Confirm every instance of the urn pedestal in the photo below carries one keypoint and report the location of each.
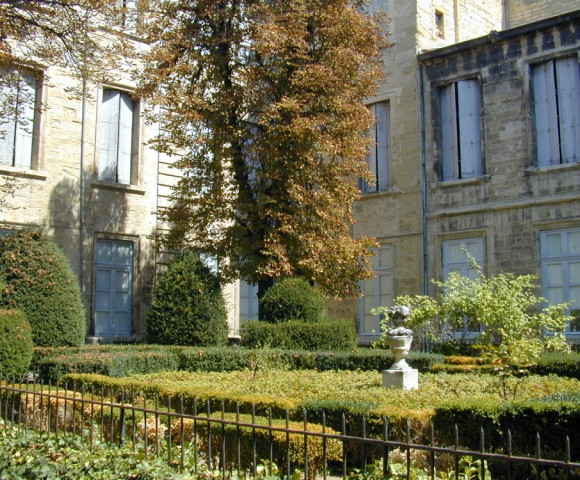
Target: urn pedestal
(400, 375)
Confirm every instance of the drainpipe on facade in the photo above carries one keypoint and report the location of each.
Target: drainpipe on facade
(424, 192)
(82, 190)
(424, 181)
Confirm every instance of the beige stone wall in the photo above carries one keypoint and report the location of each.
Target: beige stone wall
(520, 12)
(461, 20)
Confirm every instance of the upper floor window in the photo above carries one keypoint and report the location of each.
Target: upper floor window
(561, 271)
(459, 255)
(439, 24)
(461, 130)
(119, 139)
(379, 156)
(18, 117)
(128, 14)
(556, 87)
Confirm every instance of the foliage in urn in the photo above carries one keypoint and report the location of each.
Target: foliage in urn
(263, 103)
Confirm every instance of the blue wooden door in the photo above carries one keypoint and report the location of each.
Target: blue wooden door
(113, 288)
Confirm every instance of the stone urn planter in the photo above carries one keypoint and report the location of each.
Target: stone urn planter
(400, 338)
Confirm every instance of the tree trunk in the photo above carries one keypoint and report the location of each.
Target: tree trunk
(263, 286)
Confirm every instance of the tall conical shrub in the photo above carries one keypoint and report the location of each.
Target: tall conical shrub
(39, 281)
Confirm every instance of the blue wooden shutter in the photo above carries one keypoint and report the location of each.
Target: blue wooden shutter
(469, 109)
(449, 133)
(568, 88)
(113, 288)
(382, 147)
(546, 117)
(109, 135)
(25, 125)
(126, 112)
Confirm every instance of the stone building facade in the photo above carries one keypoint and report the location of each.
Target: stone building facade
(515, 207)
(465, 68)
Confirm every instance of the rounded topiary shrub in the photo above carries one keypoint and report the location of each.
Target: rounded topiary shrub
(39, 281)
(188, 307)
(15, 343)
(292, 299)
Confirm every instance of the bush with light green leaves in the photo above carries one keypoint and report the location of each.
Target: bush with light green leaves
(514, 325)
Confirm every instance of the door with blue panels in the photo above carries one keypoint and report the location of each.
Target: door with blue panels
(113, 288)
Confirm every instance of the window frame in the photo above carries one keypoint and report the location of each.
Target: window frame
(460, 129)
(33, 137)
(130, 177)
(564, 258)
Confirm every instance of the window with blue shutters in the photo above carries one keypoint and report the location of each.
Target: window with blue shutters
(119, 120)
(376, 292)
(379, 156)
(556, 86)
(561, 271)
(461, 152)
(248, 301)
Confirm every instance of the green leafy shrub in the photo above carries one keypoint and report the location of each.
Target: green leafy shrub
(292, 299)
(510, 318)
(15, 343)
(188, 307)
(39, 281)
(325, 334)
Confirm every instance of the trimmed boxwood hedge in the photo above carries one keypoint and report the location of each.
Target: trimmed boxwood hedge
(123, 360)
(15, 343)
(550, 363)
(553, 418)
(327, 334)
(40, 282)
(292, 299)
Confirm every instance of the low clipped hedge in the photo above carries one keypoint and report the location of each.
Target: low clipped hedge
(566, 365)
(326, 334)
(550, 363)
(123, 360)
(553, 420)
(553, 417)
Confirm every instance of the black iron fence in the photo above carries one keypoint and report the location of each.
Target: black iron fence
(228, 441)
